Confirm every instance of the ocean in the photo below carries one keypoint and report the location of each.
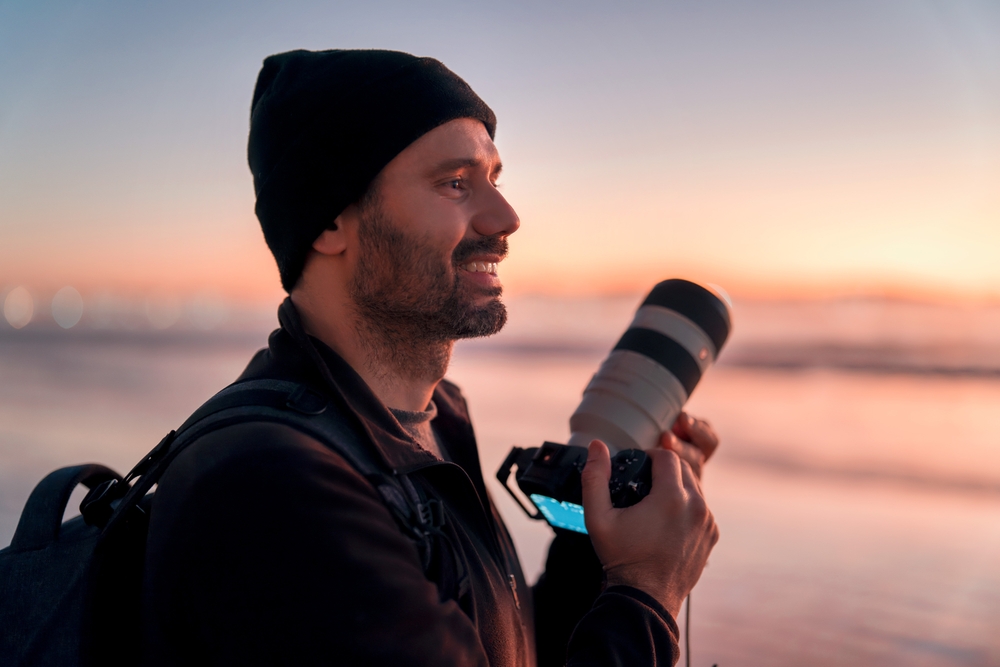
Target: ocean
(857, 487)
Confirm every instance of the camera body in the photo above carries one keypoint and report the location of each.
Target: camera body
(635, 396)
(550, 476)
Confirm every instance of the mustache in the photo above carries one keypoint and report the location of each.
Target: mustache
(487, 245)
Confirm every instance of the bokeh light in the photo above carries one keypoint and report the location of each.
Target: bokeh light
(163, 311)
(67, 307)
(206, 311)
(18, 307)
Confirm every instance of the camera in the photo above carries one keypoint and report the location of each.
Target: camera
(636, 395)
(550, 476)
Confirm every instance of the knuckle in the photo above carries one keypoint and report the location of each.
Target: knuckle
(662, 457)
(704, 431)
(698, 509)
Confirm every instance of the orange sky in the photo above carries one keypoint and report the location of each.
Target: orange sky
(784, 151)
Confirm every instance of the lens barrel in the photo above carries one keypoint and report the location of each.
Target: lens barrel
(640, 388)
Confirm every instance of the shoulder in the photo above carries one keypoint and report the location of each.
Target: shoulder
(252, 448)
(259, 469)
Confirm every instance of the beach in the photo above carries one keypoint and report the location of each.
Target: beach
(857, 487)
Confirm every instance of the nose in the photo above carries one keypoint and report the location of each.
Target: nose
(495, 216)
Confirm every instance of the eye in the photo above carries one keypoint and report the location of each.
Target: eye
(454, 187)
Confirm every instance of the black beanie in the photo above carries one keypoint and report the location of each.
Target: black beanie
(323, 124)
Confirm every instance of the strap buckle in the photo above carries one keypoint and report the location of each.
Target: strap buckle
(96, 507)
(431, 513)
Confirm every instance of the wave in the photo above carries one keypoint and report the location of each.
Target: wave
(951, 361)
(948, 361)
(926, 481)
(40, 338)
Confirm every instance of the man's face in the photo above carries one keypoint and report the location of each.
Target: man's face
(431, 234)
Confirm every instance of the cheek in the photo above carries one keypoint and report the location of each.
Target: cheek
(435, 222)
(445, 234)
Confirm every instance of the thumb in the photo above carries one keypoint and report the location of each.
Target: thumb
(594, 479)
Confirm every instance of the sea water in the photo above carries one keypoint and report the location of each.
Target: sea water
(857, 487)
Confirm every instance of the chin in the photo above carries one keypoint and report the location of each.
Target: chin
(482, 321)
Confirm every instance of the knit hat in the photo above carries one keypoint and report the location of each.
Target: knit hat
(323, 124)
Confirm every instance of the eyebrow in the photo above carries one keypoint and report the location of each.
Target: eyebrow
(463, 163)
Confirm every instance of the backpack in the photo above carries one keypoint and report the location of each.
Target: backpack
(70, 592)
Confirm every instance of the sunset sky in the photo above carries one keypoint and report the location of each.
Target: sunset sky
(775, 148)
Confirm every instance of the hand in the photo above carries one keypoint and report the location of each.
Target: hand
(659, 545)
(691, 439)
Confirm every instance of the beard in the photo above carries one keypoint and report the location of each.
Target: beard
(406, 293)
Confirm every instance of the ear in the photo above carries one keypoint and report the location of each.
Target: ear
(330, 242)
(334, 241)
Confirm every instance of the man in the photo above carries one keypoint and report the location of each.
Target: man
(375, 174)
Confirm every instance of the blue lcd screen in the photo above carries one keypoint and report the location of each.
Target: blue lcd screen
(560, 514)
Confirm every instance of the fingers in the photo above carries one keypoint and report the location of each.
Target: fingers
(690, 480)
(698, 432)
(667, 475)
(699, 506)
(688, 452)
(594, 481)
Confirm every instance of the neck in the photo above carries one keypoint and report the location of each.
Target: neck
(398, 365)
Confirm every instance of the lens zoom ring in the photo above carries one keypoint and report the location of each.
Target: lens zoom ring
(664, 351)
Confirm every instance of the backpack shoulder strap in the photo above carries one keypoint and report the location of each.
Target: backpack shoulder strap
(288, 403)
(279, 401)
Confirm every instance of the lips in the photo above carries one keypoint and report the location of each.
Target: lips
(480, 255)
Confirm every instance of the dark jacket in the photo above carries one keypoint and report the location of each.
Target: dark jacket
(265, 547)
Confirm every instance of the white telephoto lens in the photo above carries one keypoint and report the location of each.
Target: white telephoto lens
(641, 387)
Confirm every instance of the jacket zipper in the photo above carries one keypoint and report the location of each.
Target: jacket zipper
(513, 589)
(499, 554)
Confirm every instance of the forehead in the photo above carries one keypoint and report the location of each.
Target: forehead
(461, 142)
